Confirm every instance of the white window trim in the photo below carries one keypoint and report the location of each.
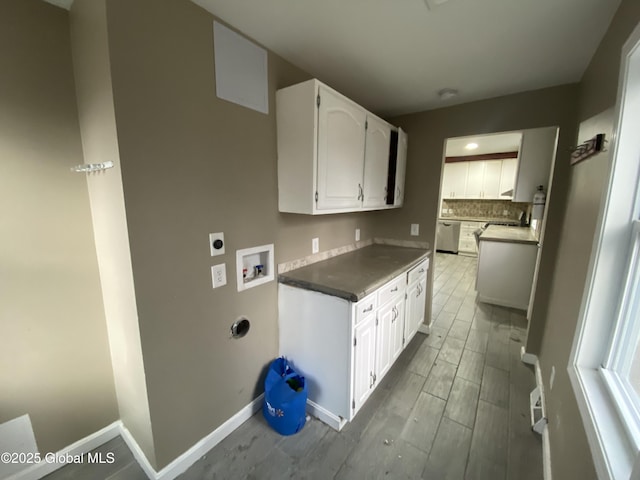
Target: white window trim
(614, 455)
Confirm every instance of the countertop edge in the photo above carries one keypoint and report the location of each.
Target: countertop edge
(508, 240)
(351, 296)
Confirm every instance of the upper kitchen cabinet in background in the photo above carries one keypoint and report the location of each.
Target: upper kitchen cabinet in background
(536, 157)
(333, 155)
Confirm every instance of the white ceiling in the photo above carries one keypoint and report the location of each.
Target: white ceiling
(494, 143)
(393, 56)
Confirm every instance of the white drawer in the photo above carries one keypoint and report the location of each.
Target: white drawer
(366, 306)
(418, 271)
(392, 289)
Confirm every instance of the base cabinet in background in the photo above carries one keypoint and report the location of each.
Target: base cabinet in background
(344, 349)
(505, 273)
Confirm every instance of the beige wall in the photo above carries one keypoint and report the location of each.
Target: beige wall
(571, 457)
(100, 144)
(427, 134)
(194, 164)
(53, 342)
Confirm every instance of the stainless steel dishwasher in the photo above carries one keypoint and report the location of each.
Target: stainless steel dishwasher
(448, 236)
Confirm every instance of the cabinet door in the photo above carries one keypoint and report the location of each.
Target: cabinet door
(475, 179)
(397, 342)
(341, 138)
(416, 297)
(376, 163)
(385, 337)
(454, 179)
(508, 177)
(364, 360)
(401, 168)
(491, 179)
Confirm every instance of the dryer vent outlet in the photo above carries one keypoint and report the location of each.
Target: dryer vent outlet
(240, 328)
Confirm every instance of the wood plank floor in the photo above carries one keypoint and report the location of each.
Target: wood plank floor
(454, 406)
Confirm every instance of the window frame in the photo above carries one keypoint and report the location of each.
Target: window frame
(613, 441)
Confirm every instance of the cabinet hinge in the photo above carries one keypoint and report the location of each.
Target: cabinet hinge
(318, 100)
(316, 196)
(402, 340)
(355, 341)
(353, 404)
(376, 321)
(366, 124)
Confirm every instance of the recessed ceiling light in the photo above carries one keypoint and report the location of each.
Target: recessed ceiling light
(447, 93)
(471, 146)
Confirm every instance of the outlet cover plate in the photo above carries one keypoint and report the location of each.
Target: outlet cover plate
(212, 239)
(219, 275)
(357, 234)
(315, 245)
(415, 229)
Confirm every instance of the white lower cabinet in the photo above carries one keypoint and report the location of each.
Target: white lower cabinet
(344, 348)
(365, 359)
(415, 300)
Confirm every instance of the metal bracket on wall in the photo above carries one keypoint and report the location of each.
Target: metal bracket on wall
(92, 167)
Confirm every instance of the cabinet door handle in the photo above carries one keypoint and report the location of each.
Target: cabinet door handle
(368, 309)
(370, 379)
(360, 192)
(395, 289)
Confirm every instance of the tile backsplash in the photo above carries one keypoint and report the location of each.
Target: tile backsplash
(484, 209)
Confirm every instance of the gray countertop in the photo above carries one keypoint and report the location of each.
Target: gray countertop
(481, 220)
(356, 274)
(499, 233)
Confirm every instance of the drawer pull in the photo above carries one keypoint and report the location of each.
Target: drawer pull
(395, 289)
(421, 270)
(368, 309)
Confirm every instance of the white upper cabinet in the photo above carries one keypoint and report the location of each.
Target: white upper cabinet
(491, 179)
(536, 156)
(401, 168)
(376, 162)
(341, 152)
(454, 180)
(475, 179)
(508, 178)
(478, 179)
(333, 155)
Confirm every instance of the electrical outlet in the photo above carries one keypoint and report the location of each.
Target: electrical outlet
(415, 229)
(505, 213)
(552, 378)
(216, 243)
(219, 275)
(444, 211)
(357, 234)
(315, 245)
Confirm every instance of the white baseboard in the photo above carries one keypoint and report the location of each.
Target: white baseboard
(171, 471)
(424, 328)
(79, 448)
(546, 454)
(325, 416)
(191, 456)
(531, 359)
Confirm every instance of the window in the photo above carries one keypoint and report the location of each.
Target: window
(605, 361)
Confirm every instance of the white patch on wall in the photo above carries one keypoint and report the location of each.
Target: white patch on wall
(241, 69)
(16, 437)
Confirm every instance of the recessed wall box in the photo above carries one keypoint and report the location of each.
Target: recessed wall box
(254, 266)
